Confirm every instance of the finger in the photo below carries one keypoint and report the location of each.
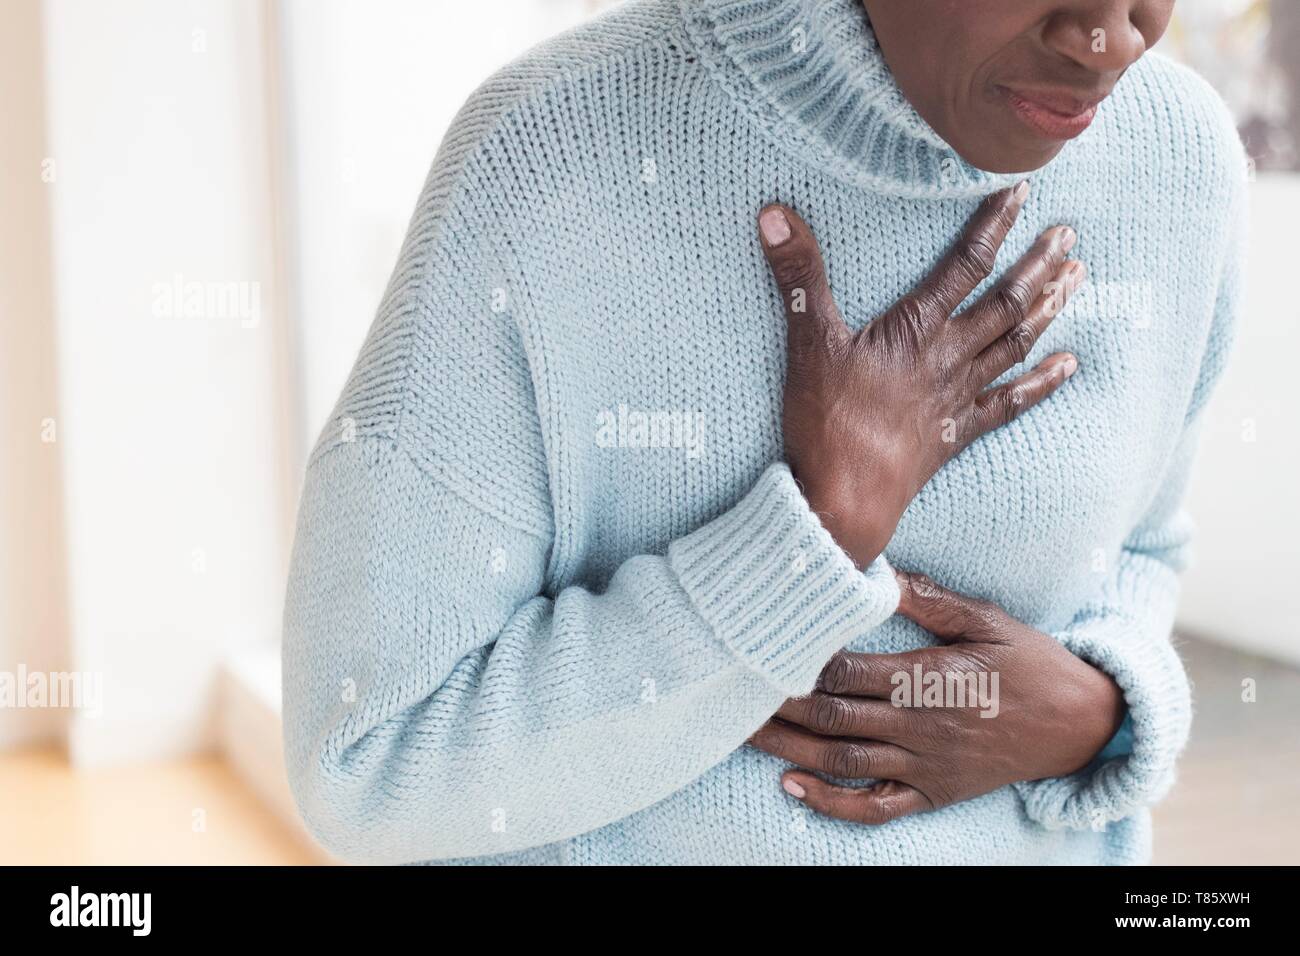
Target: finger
(796, 263)
(867, 675)
(1005, 305)
(874, 805)
(834, 715)
(946, 614)
(843, 757)
(1004, 404)
(1013, 347)
(970, 260)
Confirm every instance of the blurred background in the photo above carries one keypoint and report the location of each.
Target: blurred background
(200, 203)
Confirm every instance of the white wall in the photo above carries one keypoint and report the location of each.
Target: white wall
(194, 145)
(370, 90)
(33, 631)
(1244, 586)
(171, 422)
(202, 139)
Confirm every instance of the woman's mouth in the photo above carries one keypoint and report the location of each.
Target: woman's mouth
(1057, 116)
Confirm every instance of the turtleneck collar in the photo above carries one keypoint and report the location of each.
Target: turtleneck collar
(812, 75)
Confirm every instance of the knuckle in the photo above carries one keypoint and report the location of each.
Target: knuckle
(1020, 340)
(849, 761)
(980, 255)
(1014, 298)
(1003, 308)
(829, 714)
(976, 258)
(987, 615)
(1010, 403)
(797, 268)
(837, 676)
(1005, 216)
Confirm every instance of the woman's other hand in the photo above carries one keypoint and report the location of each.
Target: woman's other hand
(1031, 709)
(869, 417)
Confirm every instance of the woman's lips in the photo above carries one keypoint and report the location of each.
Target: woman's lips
(1054, 115)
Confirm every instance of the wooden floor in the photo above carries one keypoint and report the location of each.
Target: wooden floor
(1235, 803)
(1237, 799)
(186, 812)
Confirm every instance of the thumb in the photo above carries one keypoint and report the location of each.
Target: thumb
(946, 614)
(796, 264)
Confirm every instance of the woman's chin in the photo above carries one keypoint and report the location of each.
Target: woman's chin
(1006, 157)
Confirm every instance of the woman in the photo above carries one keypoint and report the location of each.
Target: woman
(591, 515)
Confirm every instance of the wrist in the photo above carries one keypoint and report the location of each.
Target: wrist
(1105, 712)
(861, 534)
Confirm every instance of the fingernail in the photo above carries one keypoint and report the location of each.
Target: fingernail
(774, 226)
(1070, 365)
(1068, 239)
(792, 787)
(1022, 190)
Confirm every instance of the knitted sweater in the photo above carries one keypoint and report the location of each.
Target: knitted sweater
(550, 571)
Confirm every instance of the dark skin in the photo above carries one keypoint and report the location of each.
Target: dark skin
(870, 417)
(1055, 713)
(960, 63)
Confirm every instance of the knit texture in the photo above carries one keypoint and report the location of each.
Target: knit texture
(550, 572)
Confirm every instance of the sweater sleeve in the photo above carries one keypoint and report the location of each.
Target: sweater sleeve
(438, 704)
(442, 698)
(1126, 630)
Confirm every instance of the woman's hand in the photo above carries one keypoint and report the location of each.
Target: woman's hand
(1047, 714)
(869, 417)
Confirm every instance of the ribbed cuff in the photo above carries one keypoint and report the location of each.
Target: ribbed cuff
(1132, 646)
(776, 588)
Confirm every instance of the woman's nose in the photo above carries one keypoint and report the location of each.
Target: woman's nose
(1100, 35)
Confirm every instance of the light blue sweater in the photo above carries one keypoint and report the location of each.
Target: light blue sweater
(550, 572)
